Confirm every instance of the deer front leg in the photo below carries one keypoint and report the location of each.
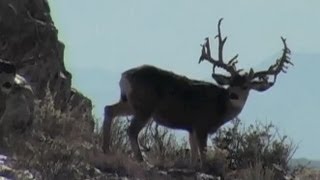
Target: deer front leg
(134, 129)
(201, 137)
(194, 151)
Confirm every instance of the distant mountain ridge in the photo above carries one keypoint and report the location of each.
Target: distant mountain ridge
(315, 164)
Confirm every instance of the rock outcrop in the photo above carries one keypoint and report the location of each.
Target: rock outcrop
(7, 172)
(29, 40)
(17, 101)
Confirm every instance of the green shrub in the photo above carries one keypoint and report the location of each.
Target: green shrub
(254, 146)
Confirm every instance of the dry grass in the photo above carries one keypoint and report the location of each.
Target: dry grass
(309, 174)
(55, 147)
(257, 172)
(61, 147)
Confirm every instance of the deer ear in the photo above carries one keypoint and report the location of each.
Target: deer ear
(221, 79)
(260, 86)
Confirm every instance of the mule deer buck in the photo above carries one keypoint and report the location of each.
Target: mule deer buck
(178, 102)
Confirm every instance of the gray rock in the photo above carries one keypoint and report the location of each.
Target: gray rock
(17, 100)
(19, 106)
(29, 41)
(7, 172)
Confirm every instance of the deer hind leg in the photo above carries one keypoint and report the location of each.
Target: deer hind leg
(201, 140)
(137, 123)
(121, 108)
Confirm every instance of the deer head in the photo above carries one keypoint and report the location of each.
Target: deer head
(240, 83)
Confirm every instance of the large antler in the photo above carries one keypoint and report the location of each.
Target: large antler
(206, 55)
(275, 69)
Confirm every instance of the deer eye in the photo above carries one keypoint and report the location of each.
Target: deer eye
(233, 96)
(244, 87)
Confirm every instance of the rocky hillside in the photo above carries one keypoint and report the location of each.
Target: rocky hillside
(29, 40)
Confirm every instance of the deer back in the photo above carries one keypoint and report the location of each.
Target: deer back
(173, 100)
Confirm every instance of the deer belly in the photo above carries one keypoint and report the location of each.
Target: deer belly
(173, 122)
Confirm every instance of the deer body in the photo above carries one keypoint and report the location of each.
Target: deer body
(177, 102)
(174, 101)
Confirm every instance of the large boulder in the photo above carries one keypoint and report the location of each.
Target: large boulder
(29, 40)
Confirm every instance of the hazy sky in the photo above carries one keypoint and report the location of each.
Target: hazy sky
(118, 34)
(110, 36)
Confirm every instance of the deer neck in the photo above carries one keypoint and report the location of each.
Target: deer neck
(235, 104)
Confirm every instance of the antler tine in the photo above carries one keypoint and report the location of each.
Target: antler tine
(221, 41)
(280, 65)
(206, 54)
